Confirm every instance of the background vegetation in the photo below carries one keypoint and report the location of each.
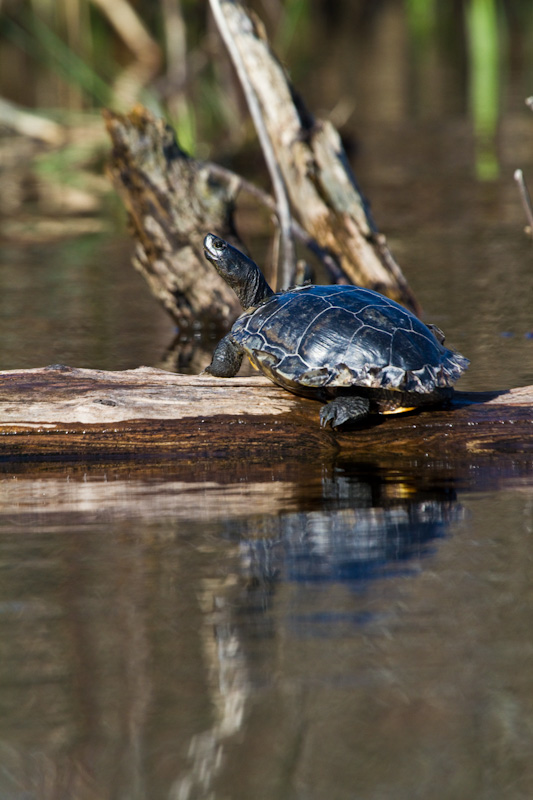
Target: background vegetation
(69, 56)
(63, 60)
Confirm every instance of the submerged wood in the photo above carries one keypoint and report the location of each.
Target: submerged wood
(60, 413)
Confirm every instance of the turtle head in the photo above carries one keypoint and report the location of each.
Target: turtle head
(239, 271)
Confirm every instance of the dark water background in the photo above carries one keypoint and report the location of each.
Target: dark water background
(282, 630)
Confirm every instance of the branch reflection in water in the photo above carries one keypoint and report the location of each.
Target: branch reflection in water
(167, 605)
(362, 531)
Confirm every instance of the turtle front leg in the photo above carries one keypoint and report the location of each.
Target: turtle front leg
(227, 359)
(346, 408)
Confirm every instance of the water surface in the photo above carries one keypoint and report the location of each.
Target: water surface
(349, 630)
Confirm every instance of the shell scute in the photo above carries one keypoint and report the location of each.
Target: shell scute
(412, 351)
(375, 317)
(342, 336)
(324, 341)
(283, 317)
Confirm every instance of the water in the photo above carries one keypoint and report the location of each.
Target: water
(349, 630)
(284, 631)
(77, 301)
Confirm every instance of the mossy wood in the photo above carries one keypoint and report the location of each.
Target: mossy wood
(64, 414)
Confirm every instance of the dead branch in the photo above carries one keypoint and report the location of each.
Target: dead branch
(172, 201)
(283, 210)
(29, 124)
(526, 200)
(327, 260)
(145, 49)
(322, 189)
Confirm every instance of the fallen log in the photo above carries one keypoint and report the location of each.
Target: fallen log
(60, 413)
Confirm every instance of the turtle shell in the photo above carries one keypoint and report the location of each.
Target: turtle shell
(330, 337)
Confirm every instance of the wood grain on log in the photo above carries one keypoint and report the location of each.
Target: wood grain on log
(62, 413)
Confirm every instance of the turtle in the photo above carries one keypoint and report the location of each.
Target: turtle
(354, 349)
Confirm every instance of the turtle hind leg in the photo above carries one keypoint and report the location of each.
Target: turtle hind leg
(348, 408)
(227, 359)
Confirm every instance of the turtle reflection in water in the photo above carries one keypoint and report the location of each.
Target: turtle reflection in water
(353, 348)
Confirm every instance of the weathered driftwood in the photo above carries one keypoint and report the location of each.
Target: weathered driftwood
(172, 201)
(321, 186)
(60, 413)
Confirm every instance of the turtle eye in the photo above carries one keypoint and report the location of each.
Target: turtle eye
(219, 244)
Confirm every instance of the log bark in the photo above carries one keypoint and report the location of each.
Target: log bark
(172, 201)
(62, 414)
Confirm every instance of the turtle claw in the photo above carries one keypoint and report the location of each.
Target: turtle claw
(343, 409)
(331, 415)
